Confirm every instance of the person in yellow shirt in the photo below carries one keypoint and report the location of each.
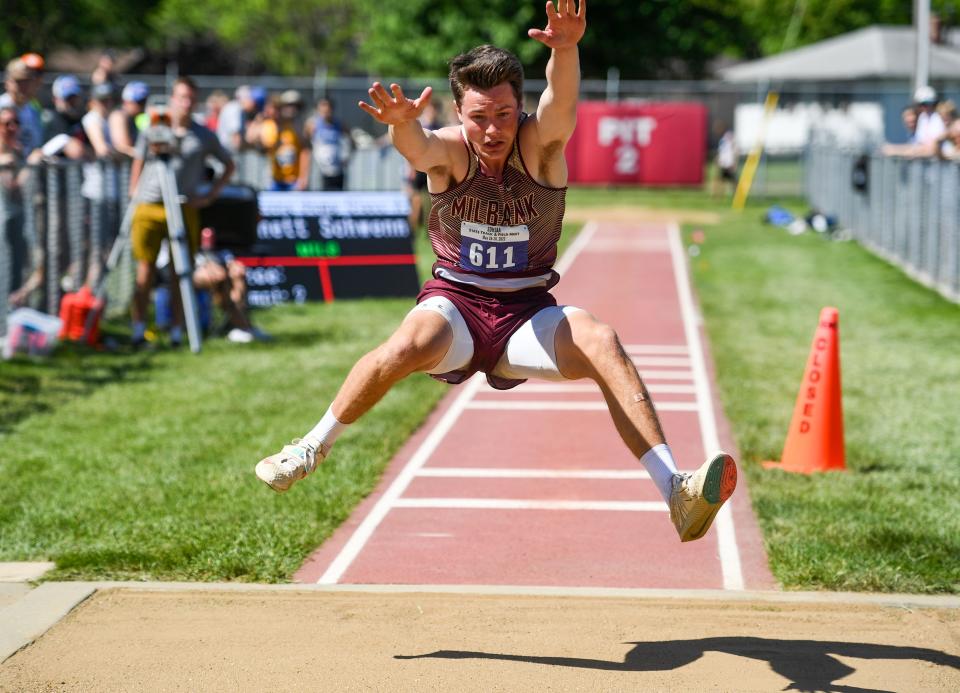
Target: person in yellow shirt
(287, 147)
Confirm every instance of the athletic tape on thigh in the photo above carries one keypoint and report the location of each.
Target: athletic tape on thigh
(460, 353)
(531, 352)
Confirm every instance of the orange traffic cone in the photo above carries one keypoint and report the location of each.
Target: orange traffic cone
(815, 439)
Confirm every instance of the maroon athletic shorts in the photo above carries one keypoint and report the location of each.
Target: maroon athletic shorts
(492, 318)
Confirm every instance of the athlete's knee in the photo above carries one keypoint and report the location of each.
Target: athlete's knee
(596, 339)
(409, 351)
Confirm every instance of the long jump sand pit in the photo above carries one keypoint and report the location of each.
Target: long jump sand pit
(125, 639)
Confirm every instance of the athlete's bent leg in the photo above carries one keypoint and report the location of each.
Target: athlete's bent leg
(422, 342)
(419, 343)
(535, 350)
(586, 347)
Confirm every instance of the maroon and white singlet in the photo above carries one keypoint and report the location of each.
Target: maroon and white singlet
(496, 243)
(499, 235)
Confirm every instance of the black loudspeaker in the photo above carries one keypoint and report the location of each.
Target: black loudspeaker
(860, 174)
(233, 217)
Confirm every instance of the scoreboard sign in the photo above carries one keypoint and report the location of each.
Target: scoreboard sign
(318, 246)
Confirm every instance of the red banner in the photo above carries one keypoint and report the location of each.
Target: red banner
(645, 144)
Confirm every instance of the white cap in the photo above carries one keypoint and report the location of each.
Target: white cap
(925, 94)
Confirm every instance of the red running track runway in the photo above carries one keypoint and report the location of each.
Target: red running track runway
(534, 487)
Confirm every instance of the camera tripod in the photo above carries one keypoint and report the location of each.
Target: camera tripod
(179, 250)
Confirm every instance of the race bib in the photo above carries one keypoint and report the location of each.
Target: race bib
(486, 248)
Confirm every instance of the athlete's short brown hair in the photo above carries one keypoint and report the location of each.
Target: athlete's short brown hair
(485, 67)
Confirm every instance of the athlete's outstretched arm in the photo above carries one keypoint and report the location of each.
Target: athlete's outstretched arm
(423, 149)
(557, 110)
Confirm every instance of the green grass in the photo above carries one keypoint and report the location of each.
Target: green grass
(670, 198)
(133, 465)
(148, 474)
(138, 466)
(892, 522)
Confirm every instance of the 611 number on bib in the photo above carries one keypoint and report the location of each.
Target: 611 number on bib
(493, 248)
(486, 257)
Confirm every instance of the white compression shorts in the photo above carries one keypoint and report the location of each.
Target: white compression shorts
(530, 351)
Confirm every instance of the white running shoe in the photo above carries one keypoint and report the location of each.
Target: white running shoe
(280, 470)
(696, 498)
(239, 336)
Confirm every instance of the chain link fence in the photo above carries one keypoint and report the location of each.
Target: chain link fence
(56, 233)
(904, 210)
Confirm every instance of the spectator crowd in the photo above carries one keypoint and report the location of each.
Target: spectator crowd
(932, 128)
(102, 124)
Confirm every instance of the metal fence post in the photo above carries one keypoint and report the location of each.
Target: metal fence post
(950, 245)
(891, 179)
(75, 225)
(931, 230)
(875, 199)
(97, 218)
(7, 215)
(52, 255)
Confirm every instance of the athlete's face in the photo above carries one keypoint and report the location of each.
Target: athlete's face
(491, 118)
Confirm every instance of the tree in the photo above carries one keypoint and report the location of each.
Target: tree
(288, 36)
(663, 38)
(418, 37)
(822, 19)
(642, 39)
(43, 25)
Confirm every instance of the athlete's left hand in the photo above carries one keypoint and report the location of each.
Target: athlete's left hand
(565, 26)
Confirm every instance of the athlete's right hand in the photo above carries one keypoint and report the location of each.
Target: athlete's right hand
(395, 108)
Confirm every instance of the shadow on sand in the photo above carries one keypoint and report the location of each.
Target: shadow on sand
(808, 664)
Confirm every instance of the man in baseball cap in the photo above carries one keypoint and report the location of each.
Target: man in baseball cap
(127, 121)
(66, 86)
(930, 126)
(237, 114)
(136, 92)
(66, 119)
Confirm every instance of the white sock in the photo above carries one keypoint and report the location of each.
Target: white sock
(326, 432)
(139, 329)
(658, 461)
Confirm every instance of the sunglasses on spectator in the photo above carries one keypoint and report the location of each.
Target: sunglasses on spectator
(10, 123)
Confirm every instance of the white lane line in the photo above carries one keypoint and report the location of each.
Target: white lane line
(579, 243)
(365, 530)
(668, 361)
(655, 349)
(555, 405)
(511, 504)
(640, 245)
(490, 473)
(584, 388)
(726, 535)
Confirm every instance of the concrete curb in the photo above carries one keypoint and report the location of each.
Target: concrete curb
(766, 596)
(38, 611)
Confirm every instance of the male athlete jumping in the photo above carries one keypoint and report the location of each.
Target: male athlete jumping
(497, 185)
